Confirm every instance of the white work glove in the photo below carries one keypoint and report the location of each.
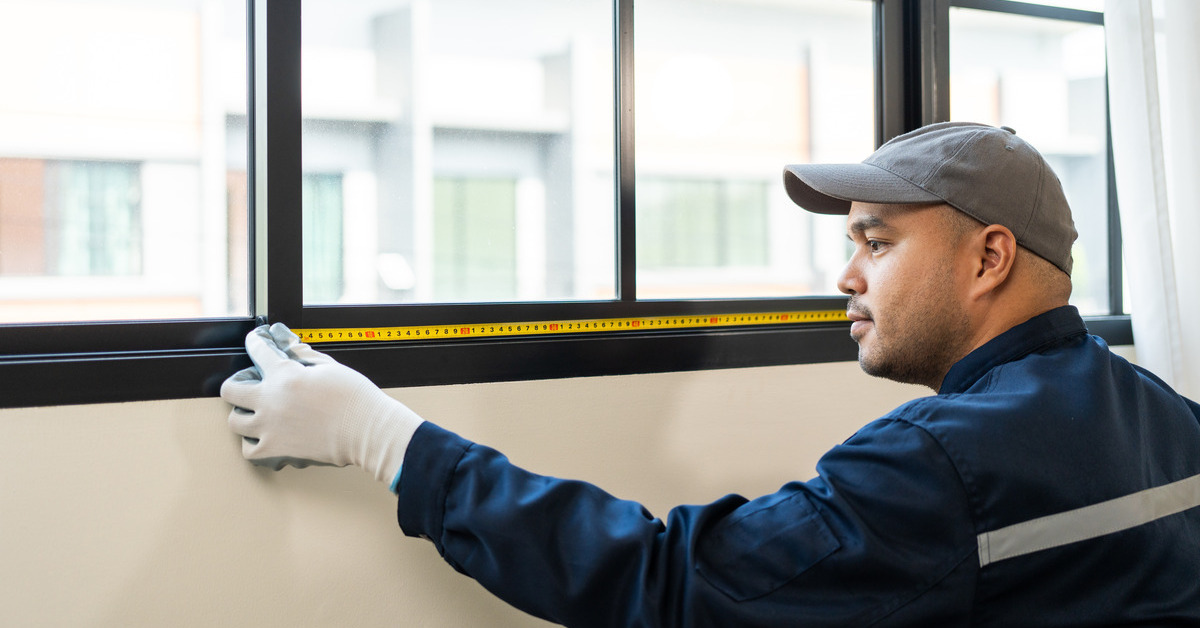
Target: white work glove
(300, 407)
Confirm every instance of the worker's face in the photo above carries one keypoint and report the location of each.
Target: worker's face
(906, 303)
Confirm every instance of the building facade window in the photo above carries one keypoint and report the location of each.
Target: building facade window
(702, 224)
(475, 239)
(323, 235)
(93, 219)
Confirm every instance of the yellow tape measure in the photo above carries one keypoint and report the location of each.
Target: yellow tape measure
(584, 326)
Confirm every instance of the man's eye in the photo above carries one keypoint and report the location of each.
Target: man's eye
(874, 245)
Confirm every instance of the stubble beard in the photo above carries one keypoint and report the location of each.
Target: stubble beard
(916, 346)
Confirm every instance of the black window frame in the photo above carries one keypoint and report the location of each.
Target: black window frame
(75, 363)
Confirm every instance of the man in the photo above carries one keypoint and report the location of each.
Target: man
(1048, 482)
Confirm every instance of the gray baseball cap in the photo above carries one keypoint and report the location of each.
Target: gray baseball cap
(983, 171)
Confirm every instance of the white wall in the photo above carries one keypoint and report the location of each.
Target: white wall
(144, 514)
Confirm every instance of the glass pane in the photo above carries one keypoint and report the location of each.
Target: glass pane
(1045, 79)
(122, 160)
(728, 92)
(474, 144)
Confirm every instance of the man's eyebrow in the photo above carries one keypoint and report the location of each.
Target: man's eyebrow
(863, 223)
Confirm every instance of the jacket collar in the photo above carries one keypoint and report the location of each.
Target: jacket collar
(1043, 331)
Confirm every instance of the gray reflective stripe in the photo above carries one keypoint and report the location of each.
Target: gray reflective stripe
(1088, 522)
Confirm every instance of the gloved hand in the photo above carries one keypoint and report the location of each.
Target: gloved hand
(298, 406)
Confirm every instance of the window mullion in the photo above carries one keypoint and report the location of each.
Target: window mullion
(912, 65)
(891, 98)
(929, 30)
(626, 196)
(1116, 270)
(278, 173)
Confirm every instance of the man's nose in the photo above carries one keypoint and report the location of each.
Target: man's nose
(850, 281)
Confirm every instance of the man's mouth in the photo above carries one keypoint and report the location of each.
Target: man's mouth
(860, 321)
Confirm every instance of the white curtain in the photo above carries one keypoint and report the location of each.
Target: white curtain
(1154, 100)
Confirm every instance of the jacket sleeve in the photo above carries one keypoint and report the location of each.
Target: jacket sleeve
(882, 533)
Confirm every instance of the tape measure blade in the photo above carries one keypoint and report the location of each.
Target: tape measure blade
(569, 326)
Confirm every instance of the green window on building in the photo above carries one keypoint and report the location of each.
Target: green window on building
(322, 201)
(475, 239)
(701, 224)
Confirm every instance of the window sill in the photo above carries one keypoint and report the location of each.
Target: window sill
(120, 376)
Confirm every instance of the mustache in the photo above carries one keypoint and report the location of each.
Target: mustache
(854, 306)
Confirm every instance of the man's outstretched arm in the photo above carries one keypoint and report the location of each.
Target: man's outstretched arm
(820, 553)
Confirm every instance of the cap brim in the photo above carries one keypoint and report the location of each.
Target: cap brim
(830, 188)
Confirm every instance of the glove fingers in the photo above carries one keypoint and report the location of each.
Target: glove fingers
(254, 450)
(274, 464)
(278, 462)
(248, 444)
(250, 451)
(251, 447)
(290, 343)
(263, 351)
(283, 336)
(242, 388)
(244, 423)
(309, 356)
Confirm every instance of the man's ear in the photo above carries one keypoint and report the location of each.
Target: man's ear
(994, 250)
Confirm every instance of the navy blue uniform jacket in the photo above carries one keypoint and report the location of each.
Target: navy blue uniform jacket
(1048, 483)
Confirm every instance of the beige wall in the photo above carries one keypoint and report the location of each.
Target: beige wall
(144, 514)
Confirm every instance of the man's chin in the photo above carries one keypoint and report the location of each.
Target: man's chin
(872, 362)
(868, 366)
(866, 360)
(862, 333)
(896, 371)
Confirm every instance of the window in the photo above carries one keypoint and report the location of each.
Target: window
(118, 121)
(477, 147)
(168, 171)
(727, 93)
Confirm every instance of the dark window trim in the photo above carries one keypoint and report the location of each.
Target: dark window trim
(283, 118)
(623, 40)
(1032, 10)
(75, 363)
(1116, 263)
